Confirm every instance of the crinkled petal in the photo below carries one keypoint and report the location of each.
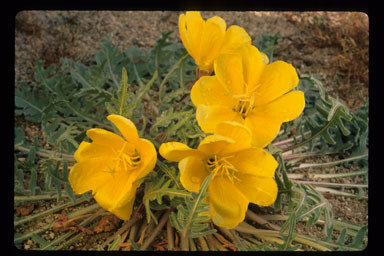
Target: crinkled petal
(209, 91)
(254, 161)
(193, 171)
(125, 126)
(277, 79)
(208, 117)
(258, 190)
(264, 129)
(227, 204)
(215, 144)
(235, 37)
(241, 134)
(285, 108)
(176, 151)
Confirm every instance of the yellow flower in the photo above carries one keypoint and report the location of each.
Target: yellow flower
(206, 40)
(111, 166)
(246, 90)
(242, 173)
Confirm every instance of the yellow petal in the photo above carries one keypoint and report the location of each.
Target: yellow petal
(285, 108)
(254, 161)
(208, 117)
(211, 41)
(193, 171)
(86, 176)
(148, 158)
(114, 191)
(229, 71)
(176, 151)
(124, 211)
(235, 37)
(264, 129)
(104, 137)
(265, 58)
(227, 204)
(195, 25)
(278, 78)
(87, 151)
(209, 91)
(241, 134)
(253, 66)
(258, 190)
(120, 206)
(215, 144)
(125, 126)
(183, 33)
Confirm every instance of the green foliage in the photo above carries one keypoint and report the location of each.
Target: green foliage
(190, 219)
(266, 44)
(152, 89)
(160, 184)
(327, 125)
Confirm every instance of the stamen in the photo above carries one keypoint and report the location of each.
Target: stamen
(222, 167)
(128, 160)
(245, 101)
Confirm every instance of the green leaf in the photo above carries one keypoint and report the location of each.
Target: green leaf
(189, 218)
(30, 103)
(359, 238)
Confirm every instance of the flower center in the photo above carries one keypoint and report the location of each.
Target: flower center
(125, 159)
(245, 102)
(222, 167)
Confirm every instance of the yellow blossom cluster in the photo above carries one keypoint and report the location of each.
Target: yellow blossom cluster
(241, 106)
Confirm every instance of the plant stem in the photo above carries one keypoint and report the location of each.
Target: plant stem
(248, 229)
(158, 228)
(48, 153)
(47, 212)
(170, 236)
(69, 234)
(184, 243)
(337, 225)
(326, 175)
(192, 245)
(203, 243)
(215, 243)
(126, 225)
(337, 192)
(311, 165)
(329, 184)
(253, 216)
